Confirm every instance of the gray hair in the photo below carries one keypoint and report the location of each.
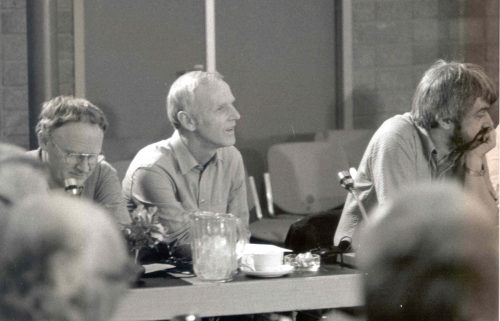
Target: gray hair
(9, 150)
(181, 95)
(21, 174)
(66, 109)
(41, 233)
(447, 91)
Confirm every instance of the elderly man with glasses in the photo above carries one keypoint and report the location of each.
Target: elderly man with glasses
(70, 135)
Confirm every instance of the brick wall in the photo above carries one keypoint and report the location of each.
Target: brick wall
(395, 41)
(13, 73)
(14, 66)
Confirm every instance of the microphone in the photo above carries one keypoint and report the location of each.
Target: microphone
(344, 245)
(72, 187)
(347, 182)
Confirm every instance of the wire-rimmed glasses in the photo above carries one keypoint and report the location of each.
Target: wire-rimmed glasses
(76, 158)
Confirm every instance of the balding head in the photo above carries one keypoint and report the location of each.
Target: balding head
(56, 256)
(182, 93)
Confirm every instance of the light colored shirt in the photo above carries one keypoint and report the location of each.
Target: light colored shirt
(399, 155)
(166, 175)
(103, 187)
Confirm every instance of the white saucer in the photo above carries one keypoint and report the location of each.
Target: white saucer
(279, 271)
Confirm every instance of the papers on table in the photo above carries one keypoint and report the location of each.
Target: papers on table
(154, 267)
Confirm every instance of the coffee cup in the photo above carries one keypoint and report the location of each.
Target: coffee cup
(263, 262)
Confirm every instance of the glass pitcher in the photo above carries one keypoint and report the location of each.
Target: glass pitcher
(216, 241)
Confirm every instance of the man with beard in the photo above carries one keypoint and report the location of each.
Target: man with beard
(445, 136)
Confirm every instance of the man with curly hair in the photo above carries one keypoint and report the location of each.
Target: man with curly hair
(70, 135)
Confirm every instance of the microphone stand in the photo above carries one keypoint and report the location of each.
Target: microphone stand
(347, 182)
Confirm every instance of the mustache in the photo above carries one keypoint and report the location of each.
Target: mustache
(478, 139)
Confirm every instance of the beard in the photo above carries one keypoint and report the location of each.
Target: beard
(457, 140)
(458, 143)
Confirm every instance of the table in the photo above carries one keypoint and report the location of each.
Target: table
(166, 295)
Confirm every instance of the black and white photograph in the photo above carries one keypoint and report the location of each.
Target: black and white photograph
(249, 160)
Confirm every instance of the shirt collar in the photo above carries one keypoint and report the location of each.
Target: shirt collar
(184, 157)
(442, 166)
(425, 138)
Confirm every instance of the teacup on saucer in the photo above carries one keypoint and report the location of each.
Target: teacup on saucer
(263, 261)
(279, 271)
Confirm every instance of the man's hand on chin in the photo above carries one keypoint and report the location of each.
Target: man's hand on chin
(474, 157)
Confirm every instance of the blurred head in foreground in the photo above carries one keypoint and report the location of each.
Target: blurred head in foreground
(20, 175)
(431, 255)
(61, 258)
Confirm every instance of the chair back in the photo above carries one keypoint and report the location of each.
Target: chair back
(353, 141)
(304, 176)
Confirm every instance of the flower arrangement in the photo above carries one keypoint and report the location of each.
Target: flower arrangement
(145, 229)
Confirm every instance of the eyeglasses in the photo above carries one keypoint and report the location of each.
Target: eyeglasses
(77, 158)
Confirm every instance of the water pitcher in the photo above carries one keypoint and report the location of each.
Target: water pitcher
(216, 239)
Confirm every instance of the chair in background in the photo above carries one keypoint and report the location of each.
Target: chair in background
(353, 141)
(304, 181)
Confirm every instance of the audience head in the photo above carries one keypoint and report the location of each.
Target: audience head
(200, 103)
(20, 175)
(9, 150)
(448, 90)
(61, 258)
(432, 254)
(70, 133)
